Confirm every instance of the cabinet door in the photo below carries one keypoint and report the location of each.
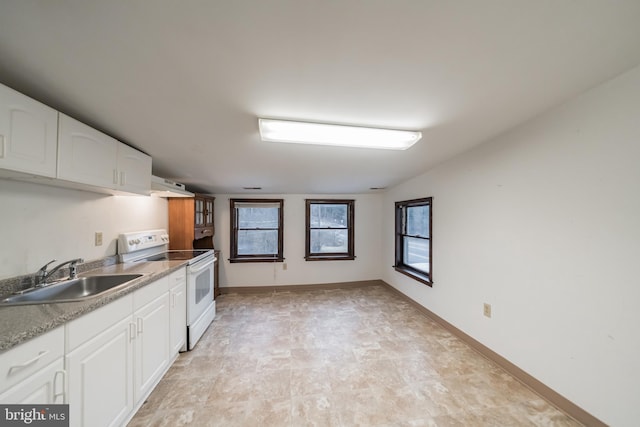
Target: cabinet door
(152, 344)
(208, 212)
(86, 155)
(134, 170)
(178, 318)
(28, 134)
(199, 212)
(43, 387)
(181, 230)
(99, 376)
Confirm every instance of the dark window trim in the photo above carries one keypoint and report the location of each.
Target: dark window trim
(328, 256)
(399, 265)
(234, 233)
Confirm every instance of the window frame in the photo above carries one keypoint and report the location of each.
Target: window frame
(400, 234)
(235, 257)
(330, 256)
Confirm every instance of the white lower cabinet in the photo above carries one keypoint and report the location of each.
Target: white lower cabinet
(117, 354)
(46, 386)
(34, 371)
(105, 363)
(152, 342)
(100, 386)
(178, 311)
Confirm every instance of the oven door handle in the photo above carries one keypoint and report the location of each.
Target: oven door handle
(199, 268)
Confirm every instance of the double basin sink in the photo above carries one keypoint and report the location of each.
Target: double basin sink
(71, 290)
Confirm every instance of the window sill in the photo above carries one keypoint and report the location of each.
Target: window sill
(329, 258)
(256, 259)
(416, 275)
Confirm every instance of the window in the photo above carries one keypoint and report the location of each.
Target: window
(256, 230)
(413, 239)
(329, 231)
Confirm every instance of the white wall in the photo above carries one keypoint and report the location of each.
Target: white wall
(39, 223)
(299, 271)
(543, 223)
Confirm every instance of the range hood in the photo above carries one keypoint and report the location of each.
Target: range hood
(161, 187)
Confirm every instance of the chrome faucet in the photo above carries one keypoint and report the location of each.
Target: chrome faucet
(43, 275)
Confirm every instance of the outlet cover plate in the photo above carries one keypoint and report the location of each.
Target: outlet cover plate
(487, 310)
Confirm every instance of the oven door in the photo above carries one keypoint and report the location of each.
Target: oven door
(199, 289)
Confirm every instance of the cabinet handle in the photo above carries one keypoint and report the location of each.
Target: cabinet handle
(132, 331)
(139, 321)
(63, 375)
(123, 178)
(28, 362)
(1, 146)
(115, 176)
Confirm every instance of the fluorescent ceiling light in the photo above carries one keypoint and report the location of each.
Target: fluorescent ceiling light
(339, 135)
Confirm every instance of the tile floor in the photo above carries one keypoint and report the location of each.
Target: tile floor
(346, 357)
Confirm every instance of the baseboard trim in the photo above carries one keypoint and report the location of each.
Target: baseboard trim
(293, 288)
(537, 386)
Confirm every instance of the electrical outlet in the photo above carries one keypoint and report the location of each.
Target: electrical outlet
(98, 238)
(284, 265)
(487, 309)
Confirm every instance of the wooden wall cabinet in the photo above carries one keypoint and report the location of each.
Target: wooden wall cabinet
(191, 218)
(191, 227)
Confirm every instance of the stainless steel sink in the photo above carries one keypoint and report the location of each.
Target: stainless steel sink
(71, 290)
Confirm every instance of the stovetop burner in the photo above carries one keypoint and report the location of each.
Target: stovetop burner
(175, 255)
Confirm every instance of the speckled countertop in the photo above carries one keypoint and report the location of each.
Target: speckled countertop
(20, 323)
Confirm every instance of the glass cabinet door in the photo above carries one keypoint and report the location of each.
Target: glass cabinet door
(208, 222)
(200, 212)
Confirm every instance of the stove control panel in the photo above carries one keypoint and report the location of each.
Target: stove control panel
(140, 240)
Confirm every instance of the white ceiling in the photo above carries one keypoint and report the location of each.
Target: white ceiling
(185, 81)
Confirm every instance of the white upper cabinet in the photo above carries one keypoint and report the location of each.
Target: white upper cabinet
(28, 132)
(134, 170)
(88, 156)
(37, 141)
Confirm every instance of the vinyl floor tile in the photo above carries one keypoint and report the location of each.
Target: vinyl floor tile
(340, 357)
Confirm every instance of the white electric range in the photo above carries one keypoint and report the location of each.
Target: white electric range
(153, 245)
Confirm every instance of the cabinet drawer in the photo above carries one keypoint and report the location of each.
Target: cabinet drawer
(45, 386)
(177, 277)
(145, 295)
(200, 232)
(22, 361)
(88, 326)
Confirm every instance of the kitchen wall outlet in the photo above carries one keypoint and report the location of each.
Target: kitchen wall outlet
(284, 265)
(487, 309)
(98, 238)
